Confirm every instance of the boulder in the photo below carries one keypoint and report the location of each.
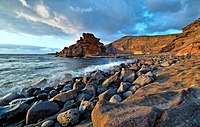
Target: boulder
(143, 80)
(125, 73)
(68, 103)
(187, 112)
(48, 123)
(165, 64)
(78, 85)
(107, 94)
(86, 108)
(123, 87)
(121, 115)
(29, 92)
(9, 97)
(101, 89)
(98, 74)
(59, 87)
(150, 74)
(131, 77)
(89, 89)
(47, 89)
(67, 87)
(115, 99)
(83, 96)
(14, 109)
(144, 69)
(65, 96)
(151, 110)
(43, 96)
(52, 93)
(69, 117)
(127, 94)
(113, 80)
(134, 88)
(134, 67)
(37, 92)
(41, 110)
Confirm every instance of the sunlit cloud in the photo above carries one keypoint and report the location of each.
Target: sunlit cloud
(42, 11)
(24, 3)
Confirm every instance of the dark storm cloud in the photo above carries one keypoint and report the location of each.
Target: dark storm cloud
(171, 14)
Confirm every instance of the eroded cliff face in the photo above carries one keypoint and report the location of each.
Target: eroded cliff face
(86, 46)
(187, 42)
(143, 44)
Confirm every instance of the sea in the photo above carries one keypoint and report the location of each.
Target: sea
(18, 71)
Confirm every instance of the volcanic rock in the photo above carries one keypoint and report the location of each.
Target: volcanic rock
(70, 117)
(9, 97)
(87, 45)
(41, 110)
(65, 96)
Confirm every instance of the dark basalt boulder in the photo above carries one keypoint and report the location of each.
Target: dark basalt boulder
(41, 110)
(9, 97)
(16, 108)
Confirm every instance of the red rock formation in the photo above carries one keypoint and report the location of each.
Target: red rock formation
(86, 46)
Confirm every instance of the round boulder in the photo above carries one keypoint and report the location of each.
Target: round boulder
(41, 110)
(115, 99)
(70, 117)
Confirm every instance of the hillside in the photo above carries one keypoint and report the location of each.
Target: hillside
(183, 43)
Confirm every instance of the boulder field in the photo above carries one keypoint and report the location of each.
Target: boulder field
(152, 91)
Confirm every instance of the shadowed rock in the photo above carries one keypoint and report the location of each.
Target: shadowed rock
(9, 97)
(41, 110)
(65, 96)
(157, 110)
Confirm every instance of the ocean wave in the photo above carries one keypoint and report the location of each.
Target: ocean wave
(103, 67)
(27, 72)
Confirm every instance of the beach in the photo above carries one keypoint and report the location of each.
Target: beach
(71, 103)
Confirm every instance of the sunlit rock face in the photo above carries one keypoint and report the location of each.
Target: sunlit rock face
(186, 42)
(87, 45)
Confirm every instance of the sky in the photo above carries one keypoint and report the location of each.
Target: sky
(43, 26)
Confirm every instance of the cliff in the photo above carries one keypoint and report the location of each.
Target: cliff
(186, 42)
(86, 46)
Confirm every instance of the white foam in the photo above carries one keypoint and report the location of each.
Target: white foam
(103, 67)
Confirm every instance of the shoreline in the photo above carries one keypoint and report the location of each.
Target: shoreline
(81, 94)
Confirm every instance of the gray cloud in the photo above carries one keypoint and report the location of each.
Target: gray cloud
(107, 20)
(25, 49)
(163, 5)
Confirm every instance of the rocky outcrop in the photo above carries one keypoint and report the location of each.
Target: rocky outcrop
(186, 42)
(87, 45)
(154, 110)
